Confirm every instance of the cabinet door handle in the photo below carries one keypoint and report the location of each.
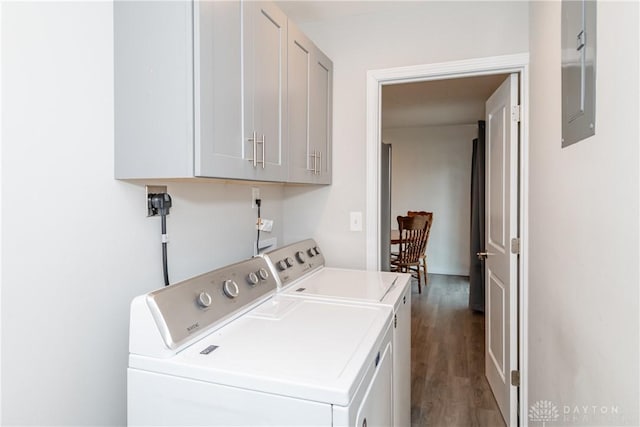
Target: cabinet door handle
(319, 162)
(313, 169)
(315, 162)
(261, 141)
(255, 150)
(257, 141)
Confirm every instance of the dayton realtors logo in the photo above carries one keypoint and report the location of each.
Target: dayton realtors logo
(543, 411)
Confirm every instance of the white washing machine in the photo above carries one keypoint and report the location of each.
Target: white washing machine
(301, 273)
(224, 349)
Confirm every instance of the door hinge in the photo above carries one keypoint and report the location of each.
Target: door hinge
(515, 113)
(515, 378)
(515, 245)
(395, 320)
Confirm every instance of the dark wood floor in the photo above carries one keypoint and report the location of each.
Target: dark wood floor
(448, 386)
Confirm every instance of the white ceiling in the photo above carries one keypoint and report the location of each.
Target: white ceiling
(433, 103)
(306, 11)
(438, 102)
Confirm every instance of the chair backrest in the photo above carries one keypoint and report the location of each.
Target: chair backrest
(429, 216)
(413, 234)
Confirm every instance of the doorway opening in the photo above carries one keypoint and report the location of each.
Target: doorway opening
(427, 129)
(517, 64)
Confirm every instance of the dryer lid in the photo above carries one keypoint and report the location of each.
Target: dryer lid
(357, 285)
(308, 349)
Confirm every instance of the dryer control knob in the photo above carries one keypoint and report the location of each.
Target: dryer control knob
(230, 289)
(311, 252)
(252, 278)
(289, 261)
(204, 299)
(317, 249)
(263, 273)
(301, 257)
(282, 265)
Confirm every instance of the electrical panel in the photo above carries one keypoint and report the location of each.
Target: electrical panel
(578, 70)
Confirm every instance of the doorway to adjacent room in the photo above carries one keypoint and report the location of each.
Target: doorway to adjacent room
(506, 354)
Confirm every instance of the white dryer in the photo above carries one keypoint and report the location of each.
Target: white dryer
(301, 273)
(223, 349)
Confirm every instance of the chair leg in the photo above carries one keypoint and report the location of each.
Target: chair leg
(419, 281)
(424, 267)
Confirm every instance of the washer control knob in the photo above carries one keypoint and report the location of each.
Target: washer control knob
(311, 252)
(301, 257)
(282, 265)
(317, 249)
(289, 261)
(263, 273)
(252, 278)
(204, 299)
(230, 289)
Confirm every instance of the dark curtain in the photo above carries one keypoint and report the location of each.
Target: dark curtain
(476, 271)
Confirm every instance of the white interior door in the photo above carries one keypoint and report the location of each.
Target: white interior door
(501, 280)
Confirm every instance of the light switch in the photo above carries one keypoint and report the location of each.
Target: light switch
(356, 221)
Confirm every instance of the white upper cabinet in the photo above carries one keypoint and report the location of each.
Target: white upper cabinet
(201, 90)
(153, 78)
(191, 89)
(265, 94)
(240, 137)
(219, 149)
(321, 113)
(309, 94)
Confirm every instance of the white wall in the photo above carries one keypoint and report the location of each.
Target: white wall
(584, 245)
(77, 246)
(431, 171)
(413, 33)
(1, 161)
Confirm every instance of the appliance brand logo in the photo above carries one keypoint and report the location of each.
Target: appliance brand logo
(193, 327)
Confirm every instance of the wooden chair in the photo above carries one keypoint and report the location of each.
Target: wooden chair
(413, 232)
(423, 258)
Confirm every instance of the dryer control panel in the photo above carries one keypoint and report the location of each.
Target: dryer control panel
(295, 260)
(185, 310)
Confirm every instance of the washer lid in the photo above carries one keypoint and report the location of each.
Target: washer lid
(308, 349)
(357, 285)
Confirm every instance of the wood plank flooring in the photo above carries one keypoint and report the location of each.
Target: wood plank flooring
(448, 386)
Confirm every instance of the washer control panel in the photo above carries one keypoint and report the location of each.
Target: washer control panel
(184, 310)
(294, 261)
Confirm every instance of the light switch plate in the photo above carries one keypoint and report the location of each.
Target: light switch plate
(356, 221)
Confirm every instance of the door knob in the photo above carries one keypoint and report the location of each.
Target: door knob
(483, 255)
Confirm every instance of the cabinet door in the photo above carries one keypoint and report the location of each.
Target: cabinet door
(320, 114)
(310, 87)
(153, 89)
(265, 90)
(219, 150)
(301, 162)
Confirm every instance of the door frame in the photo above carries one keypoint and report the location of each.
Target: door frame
(517, 63)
